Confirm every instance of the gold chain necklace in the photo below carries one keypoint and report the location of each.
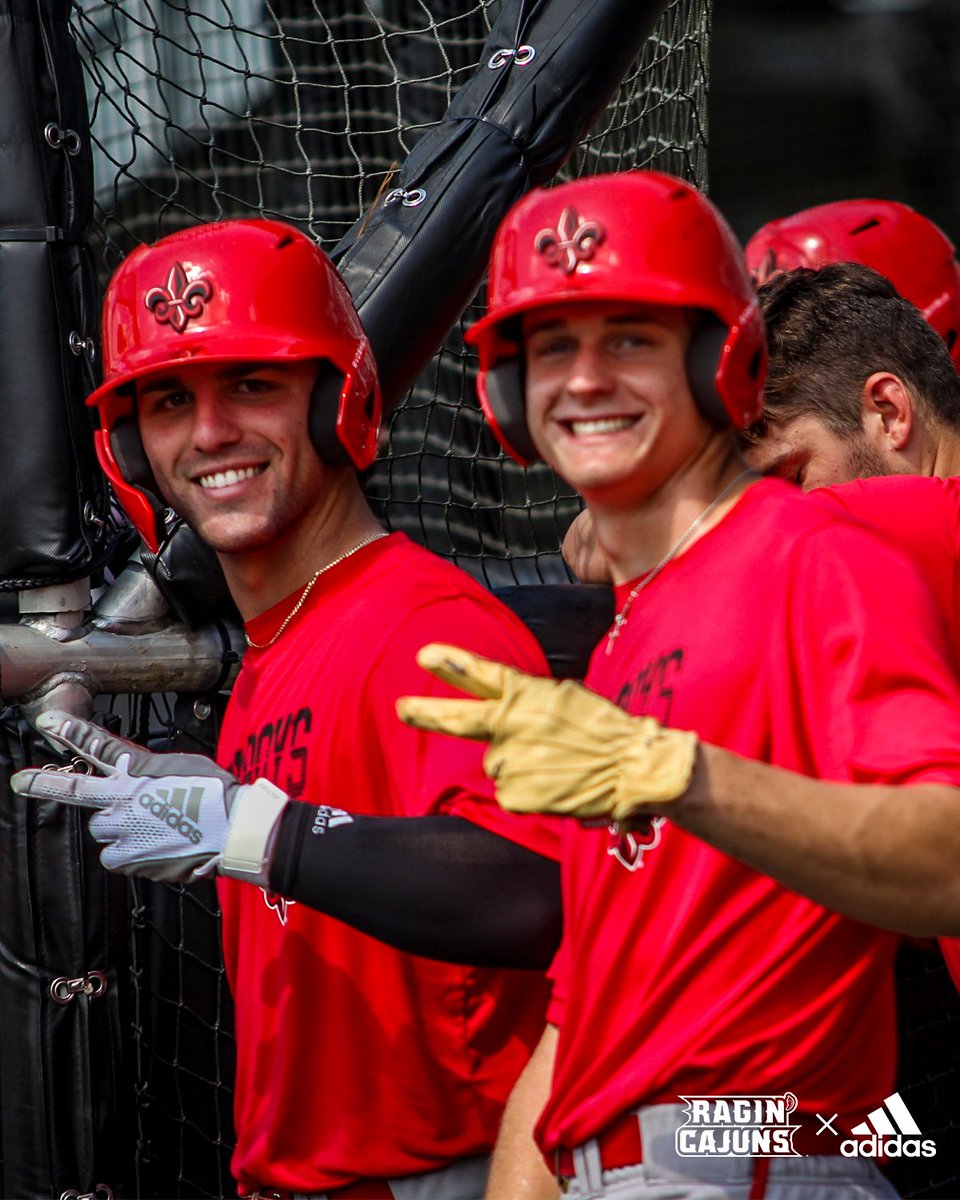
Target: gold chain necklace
(309, 587)
(621, 618)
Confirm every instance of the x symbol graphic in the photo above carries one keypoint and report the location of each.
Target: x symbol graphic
(827, 1123)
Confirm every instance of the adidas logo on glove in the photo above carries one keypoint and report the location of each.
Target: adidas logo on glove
(176, 808)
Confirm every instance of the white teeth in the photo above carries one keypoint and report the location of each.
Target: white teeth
(600, 425)
(225, 478)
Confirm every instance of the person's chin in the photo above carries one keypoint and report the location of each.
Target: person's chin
(232, 535)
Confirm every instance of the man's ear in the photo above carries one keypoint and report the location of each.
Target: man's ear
(887, 411)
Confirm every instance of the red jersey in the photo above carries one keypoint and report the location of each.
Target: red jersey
(355, 1059)
(917, 515)
(921, 517)
(683, 971)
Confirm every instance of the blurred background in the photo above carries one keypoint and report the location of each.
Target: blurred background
(820, 100)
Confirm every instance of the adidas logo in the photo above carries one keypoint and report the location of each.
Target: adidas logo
(889, 1131)
(327, 818)
(178, 808)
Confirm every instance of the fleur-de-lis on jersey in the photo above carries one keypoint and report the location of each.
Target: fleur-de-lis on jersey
(573, 241)
(175, 304)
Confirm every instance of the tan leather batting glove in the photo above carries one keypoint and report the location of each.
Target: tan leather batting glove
(555, 747)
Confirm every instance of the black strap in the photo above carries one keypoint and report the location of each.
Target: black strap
(38, 233)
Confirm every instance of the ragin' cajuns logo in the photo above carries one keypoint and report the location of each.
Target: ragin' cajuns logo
(573, 241)
(179, 301)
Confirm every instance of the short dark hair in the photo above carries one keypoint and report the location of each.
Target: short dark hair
(832, 327)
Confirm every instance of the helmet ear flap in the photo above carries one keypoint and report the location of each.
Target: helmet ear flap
(506, 408)
(344, 415)
(703, 362)
(124, 462)
(131, 458)
(324, 413)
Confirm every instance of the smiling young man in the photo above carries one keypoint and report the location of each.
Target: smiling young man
(241, 390)
(776, 772)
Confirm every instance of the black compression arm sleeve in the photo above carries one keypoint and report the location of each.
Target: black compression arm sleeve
(436, 886)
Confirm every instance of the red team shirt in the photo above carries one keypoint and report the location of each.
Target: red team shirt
(355, 1059)
(921, 517)
(681, 970)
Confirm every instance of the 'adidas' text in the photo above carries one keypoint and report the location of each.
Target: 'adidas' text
(888, 1131)
(170, 810)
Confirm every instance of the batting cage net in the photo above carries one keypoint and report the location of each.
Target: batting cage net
(341, 118)
(305, 111)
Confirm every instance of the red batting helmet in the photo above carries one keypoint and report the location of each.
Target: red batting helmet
(225, 292)
(640, 237)
(914, 254)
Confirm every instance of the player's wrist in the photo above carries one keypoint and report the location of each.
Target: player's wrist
(252, 832)
(657, 771)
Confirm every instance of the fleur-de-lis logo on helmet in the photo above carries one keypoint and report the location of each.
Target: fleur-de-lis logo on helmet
(177, 302)
(573, 241)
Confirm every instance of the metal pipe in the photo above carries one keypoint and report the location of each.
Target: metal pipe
(172, 659)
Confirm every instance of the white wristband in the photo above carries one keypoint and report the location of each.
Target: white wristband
(256, 811)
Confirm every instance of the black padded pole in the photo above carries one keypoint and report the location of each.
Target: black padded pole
(61, 917)
(52, 494)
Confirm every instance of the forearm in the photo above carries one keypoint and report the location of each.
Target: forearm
(885, 855)
(436, 886)
(518, 1171)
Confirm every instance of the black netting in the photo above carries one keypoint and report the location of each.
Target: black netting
(301, 112)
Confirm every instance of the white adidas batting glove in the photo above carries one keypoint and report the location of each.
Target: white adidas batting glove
(169, 817)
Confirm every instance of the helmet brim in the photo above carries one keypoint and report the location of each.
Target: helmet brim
(261, 347)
